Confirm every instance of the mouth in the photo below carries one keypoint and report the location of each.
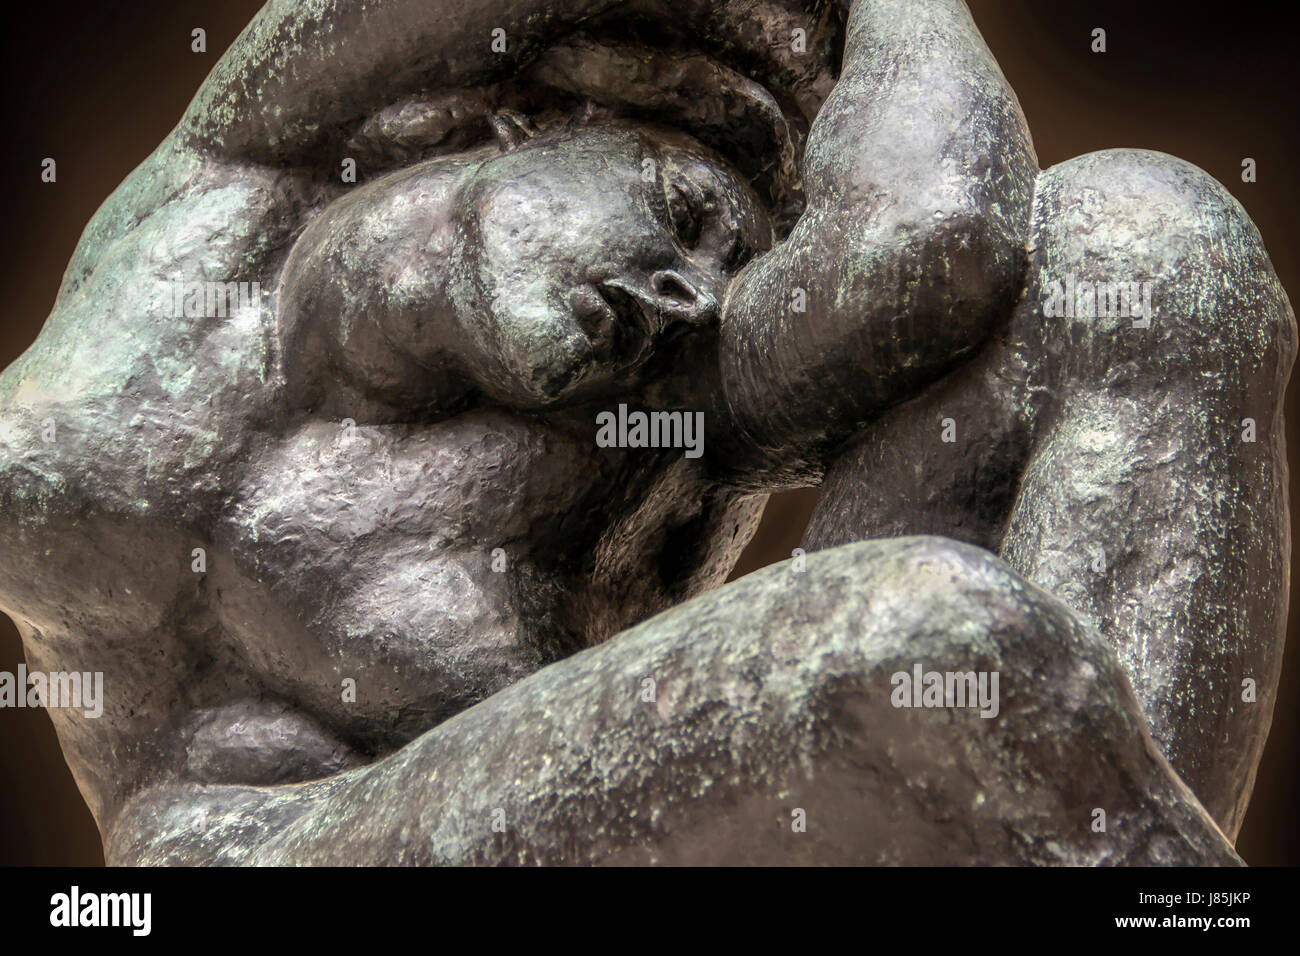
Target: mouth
(616, 321)
(635, 326)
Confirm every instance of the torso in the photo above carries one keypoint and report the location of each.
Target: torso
(373, 561)
(436, 565)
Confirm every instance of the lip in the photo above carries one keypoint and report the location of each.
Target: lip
(636, 323)
(615, 319)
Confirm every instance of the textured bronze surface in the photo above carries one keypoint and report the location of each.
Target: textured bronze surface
(366, 584)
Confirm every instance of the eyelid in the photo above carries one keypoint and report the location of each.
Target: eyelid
(700, 206)
(679, 192)
(689, 191)
(739, 255)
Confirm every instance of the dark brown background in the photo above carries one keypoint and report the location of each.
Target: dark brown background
(97, 85)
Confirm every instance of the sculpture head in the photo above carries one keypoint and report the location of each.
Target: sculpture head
(579, 253)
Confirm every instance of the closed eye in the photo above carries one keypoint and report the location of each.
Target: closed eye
(695, 217)
(738, 256)
(686, 208)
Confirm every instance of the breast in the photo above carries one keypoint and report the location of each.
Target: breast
(431, 566)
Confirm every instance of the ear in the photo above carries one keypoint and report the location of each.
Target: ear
(511, 129)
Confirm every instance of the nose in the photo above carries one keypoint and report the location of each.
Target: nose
(628, 315)
(678, 298)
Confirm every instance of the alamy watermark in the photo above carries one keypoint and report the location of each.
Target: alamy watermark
(75, 908)
(1072, 297)
(70, 689)
(946, 689)
(639, 429)
(183, 299)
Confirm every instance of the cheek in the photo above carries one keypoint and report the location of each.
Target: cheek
(542, 348)
(520, 335)
(514, 231)
(524, 255)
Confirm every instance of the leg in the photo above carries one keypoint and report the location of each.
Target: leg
(1155, 498)
(1108, 463)
(771, 695)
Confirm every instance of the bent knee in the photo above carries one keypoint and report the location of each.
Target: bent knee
(1140, 259)
(895, 598)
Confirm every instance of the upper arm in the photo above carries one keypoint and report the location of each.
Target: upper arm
(919, 175)
(301, 71)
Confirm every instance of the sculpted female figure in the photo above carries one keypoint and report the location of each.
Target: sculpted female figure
(365, 587)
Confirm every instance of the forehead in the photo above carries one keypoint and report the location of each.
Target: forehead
(627, 152)
(621, 169)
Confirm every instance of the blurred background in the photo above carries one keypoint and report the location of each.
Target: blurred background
(97, 84)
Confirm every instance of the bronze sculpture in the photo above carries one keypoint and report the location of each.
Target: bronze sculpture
(507, 273)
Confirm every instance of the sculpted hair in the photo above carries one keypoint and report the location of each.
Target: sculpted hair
(587, 79)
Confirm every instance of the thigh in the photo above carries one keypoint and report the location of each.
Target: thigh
(764, 722)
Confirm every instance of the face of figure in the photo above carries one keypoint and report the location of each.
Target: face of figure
(579, 254)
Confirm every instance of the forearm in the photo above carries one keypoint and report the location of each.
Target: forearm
(300, 69)
(304, 73)
(919, 178)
